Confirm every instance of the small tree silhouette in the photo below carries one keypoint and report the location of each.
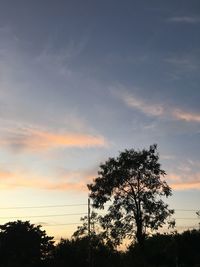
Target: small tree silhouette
(23, 244)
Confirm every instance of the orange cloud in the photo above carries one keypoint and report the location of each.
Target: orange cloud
(69, 181)
(45, 140)
(19, 180)
(4, 175)
(80, 186)
(77, 181)
(38, 140)
(181, 182)
(172, 177)
(186, 185)
(187, 116)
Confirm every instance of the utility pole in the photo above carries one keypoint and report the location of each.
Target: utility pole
(89, 229)
(89, 237)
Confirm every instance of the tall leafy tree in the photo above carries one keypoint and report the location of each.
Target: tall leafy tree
(133, 185)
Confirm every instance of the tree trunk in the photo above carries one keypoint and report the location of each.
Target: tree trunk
(139, 233)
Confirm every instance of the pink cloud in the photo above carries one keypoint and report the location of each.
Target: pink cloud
(156, 109)
(70, 181)
(31, 139)
(184, 182)
(186, 185)
(143, 106)
(186, 116)
(19, 181)
(5, 175)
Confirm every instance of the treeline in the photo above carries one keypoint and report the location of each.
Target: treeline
(23, 244)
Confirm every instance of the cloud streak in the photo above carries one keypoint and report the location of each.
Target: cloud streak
(21, 182)
(183, 182)
(11, 181)
(139, 104)
(186, 186)
(31, 139)
(157, 109)
(186, 116)
(184, 19)
(76, 182)
(61, 180)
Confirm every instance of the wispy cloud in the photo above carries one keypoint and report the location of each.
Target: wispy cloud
(184, 182)
(184, 19)
(61, 179)
(59, 61)
(36, 139)
(141, 105)
(77, 181)
(186, 116)
(185, 64)
(15, 180)
(186, 185)
(157, 109)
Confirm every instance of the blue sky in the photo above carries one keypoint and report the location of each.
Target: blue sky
(81, 81)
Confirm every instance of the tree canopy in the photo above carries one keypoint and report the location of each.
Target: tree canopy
(133, 184)
(23, 244)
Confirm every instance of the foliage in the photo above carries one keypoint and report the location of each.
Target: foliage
(188, 248)
(133, 184)
(158, 250)
(23, 244)
(75, 252)
(97, 235)
(82, 230)
(166, 250)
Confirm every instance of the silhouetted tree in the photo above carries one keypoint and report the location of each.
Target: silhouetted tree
(188, 253)
(133, 184)
(166, 250)
(74, 252)
(159, 251)
(97, 235)
(70, 253)
(82, 230)
(23, 244)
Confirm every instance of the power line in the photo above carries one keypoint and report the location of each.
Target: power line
(186, 218)
(185, 210)
(75, 214)
(61, 224)
(66, 205)
(41, 207)
(69, 214)
(48, 215)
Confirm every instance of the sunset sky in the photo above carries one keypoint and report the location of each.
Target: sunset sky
(81, 81)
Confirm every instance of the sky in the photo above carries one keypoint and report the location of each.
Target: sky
(81, 81)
